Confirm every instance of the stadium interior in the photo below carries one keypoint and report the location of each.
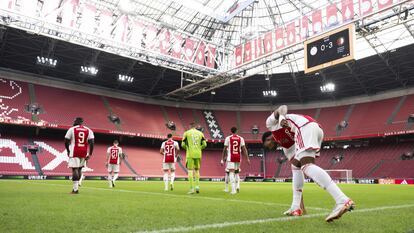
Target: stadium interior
(141, 96)
(321, 92)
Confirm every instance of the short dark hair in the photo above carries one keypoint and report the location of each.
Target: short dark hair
(169, 135)
(116, 142)
(233, 129)
(78, 121)
(266, 135)
(192, 124)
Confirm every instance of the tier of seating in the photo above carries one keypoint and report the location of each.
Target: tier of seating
(374, 161)
(61, 106)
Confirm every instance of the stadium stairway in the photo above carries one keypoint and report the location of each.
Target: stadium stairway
(346, 118)
(164, 114)
(317, 114)
(396, 110)
(278, 170)
(130, 168)
(376, 167)
(186, 117)
(180, 116)
(238, 119)
(32, 95)
(111, 113)
(181, 165)
(199, 118)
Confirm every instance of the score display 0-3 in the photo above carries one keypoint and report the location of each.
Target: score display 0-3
(329, 49)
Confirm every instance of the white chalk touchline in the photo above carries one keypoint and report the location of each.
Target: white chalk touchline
(174, 195)
(267, 220)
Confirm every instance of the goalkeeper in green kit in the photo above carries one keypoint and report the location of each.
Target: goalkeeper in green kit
(193, 142)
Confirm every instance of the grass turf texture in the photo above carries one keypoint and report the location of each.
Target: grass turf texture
(47, 206)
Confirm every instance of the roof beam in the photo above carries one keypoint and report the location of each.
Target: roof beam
(157, 80)
(384, 59)
(356, 77)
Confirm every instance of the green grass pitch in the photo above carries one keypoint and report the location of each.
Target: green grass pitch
(137, 206)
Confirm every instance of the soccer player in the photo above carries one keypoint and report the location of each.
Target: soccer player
(193, 142)
(113, 161)
(169, 149)
(78, 140)
(284, 137)
(308, 140)
(234, 147)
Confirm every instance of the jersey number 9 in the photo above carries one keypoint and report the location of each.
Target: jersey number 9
(81, 139)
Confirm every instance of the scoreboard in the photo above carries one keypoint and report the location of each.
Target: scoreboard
(329, 49)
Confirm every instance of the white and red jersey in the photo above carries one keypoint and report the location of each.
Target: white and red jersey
(234, 145)
(285, 137)
(304, 140)
(299, 121)
(296, 121)
(114, 153)
(170, 151)
(79, 136)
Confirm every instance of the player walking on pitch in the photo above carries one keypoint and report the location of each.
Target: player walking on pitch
(234, 146)
(113, 162)
(193, 142)
(78, 140)
(169, 149)
(308, 140)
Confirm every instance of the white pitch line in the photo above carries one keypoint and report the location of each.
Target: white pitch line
(174, 195)
(267, 220)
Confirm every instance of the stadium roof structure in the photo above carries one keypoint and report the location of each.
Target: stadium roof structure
(383, 47)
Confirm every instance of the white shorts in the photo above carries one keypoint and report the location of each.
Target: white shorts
(168, 166)
(290, 152)
(233, 166)
(113, 167)
(309, 140)
(76, 162)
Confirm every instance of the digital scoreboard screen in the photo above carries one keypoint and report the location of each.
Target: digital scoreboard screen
(329, 49)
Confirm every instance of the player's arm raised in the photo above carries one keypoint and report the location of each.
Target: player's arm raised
(280, 116)
(281, 111)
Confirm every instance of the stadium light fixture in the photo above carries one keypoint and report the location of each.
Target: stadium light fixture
(328, 87)
(269, 93)
(125, 78)
(89, 70)
(46, 61)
